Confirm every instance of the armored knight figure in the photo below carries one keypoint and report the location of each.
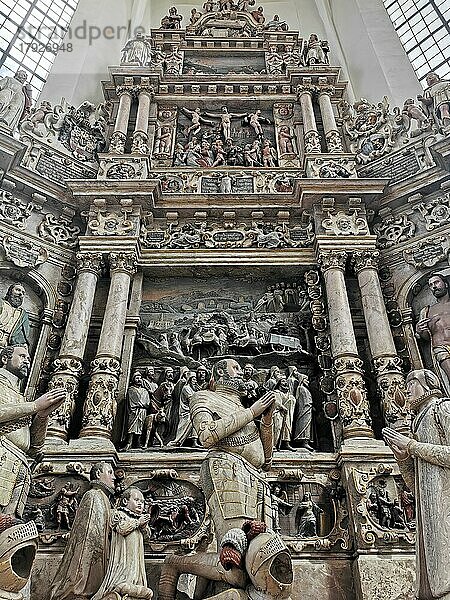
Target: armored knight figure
(237, 492)
(424, 462)
(23, 426)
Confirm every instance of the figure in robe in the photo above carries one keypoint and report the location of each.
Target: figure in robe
(85, 558)
(424, 461)
(14, 322)
(125, 576)
(15, 99)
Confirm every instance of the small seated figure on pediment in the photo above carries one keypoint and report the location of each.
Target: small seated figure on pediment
(276, 24)
(315, 51)
(172, 20)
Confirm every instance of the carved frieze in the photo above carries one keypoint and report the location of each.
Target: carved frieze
(216, 235)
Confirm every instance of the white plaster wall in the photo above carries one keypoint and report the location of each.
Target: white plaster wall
(361, 37)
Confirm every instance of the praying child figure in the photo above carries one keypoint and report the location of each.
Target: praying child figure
(125, 576)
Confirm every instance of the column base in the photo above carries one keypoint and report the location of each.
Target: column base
(385, 576)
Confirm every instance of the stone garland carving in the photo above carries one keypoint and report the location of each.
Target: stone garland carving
(383, 511)
(343, 223)
(436, 212)
(23, 253)
(59, 231)
(14, 210)
(393, 230)
(216, 235)
(80, 131)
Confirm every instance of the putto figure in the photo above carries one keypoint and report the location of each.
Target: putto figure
(172, 20)
(434, 326)
(424, 462)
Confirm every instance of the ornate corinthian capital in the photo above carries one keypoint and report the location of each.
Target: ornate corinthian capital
(89, 261)
(365, 259)
(332, 259)
(123, 261)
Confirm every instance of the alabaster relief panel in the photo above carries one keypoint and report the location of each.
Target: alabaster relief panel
(223, 63)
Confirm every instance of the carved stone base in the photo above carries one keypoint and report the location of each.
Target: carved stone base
(389, 576)
(67, 373)
(100, 406)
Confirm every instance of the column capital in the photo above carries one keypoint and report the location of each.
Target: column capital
(125, 262)
(365, 259)
(144, 87)
(124, 90)
(326, 90)
(306, 88)
(90, 261)
(332, 259)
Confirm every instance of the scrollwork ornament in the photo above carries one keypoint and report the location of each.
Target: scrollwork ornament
(393, 230)
(59, 231)
(312, 143)
(117, 142)
(342, 223)
(334, 142)
(392, 390)
(140, 143)
(15, 211)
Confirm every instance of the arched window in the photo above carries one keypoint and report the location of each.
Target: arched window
(31, 34)
(424, 30)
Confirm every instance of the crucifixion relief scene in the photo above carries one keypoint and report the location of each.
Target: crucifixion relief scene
(224, 294)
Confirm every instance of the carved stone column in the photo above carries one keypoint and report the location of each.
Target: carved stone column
(68, 368)
(332, 135)
(350, 386)
(100, 405)
(386, 363)
(119, 137)
(140, 135)
(310, 133)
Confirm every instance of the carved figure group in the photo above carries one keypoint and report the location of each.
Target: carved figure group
(385, 510)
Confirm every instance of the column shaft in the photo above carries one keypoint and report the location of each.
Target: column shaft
(386, 363)
(140, 135)
(350, 386)
(68, 367)
(101, 400)
(311, 135)
(332, 135)
(119, 137)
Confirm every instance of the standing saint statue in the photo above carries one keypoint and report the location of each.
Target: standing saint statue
(15, 99)
(434, 326)
(23, 426)
(437, 98)
(83, 565)
(302, 430)
(424, 461)
(14, 322)
(138, 402)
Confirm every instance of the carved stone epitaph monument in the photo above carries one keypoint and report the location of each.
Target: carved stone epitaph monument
(223, 273)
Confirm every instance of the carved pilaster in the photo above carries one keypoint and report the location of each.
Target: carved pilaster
(101, 400)
(392, 391)
(352, 397)
(66, 374)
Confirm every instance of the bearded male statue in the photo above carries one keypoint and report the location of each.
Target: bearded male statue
(424, 461)
(252, 559)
